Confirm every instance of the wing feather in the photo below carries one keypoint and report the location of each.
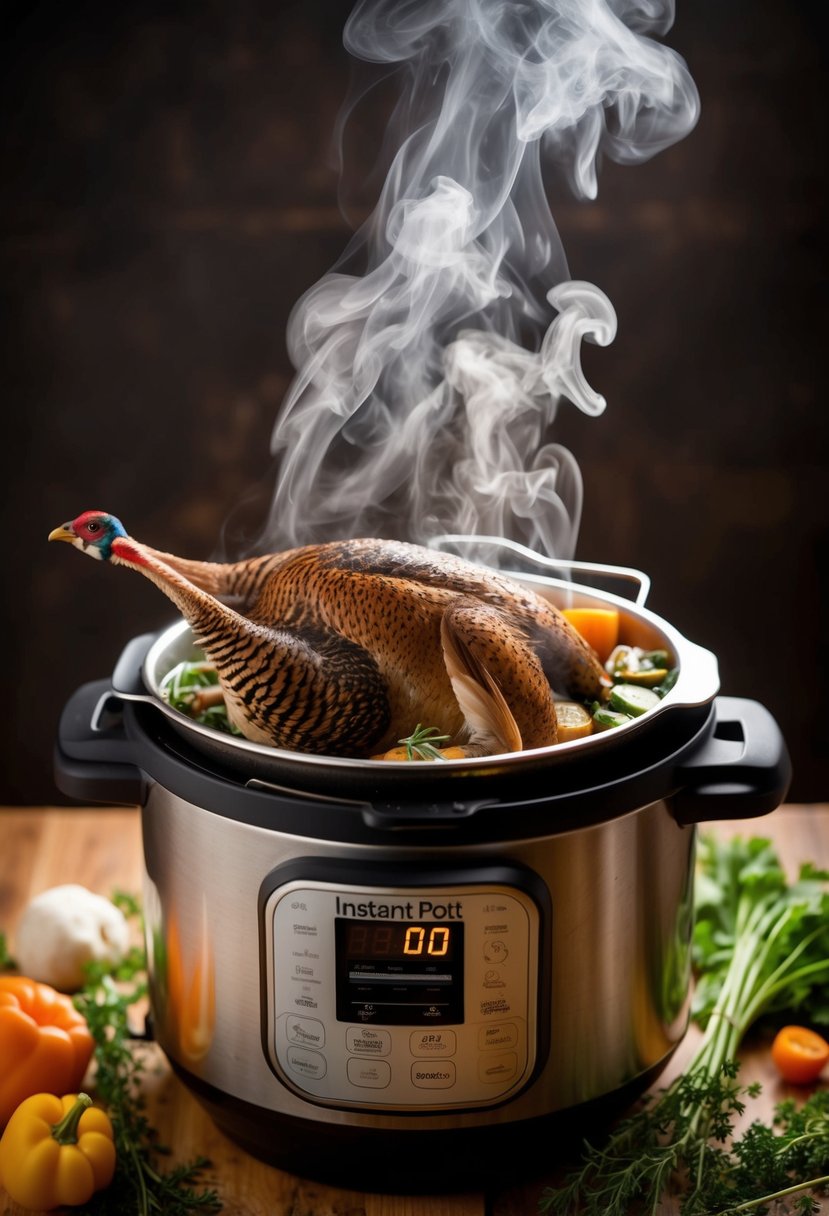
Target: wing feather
(482, 703)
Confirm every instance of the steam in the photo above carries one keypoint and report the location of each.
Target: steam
(431, 361)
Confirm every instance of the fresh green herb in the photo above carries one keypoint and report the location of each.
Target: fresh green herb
(138, 1188)
(773, 1166)
(762, 1167)
(7, 963)
(181, 685)
(129, 904)
(761, 945)
(420, 744)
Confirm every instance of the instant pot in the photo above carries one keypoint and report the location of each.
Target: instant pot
(421, 975)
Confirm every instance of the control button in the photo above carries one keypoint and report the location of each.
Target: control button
(498, 1005)
(302, 929)
(433, 1076)
(433, 1043)
(310, 1064)
(305, 1000)
(503, 1035)
(307, 1031)
(368, 1074)
(492, 979)
(495, 952)
(494, 1069)
(368, 1042)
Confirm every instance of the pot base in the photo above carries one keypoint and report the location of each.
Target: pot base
(538, 1150)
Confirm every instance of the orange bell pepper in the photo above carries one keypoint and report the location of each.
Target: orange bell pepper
(56, 1151)
(45, 1044)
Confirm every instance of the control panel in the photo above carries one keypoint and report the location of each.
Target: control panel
(401, 997)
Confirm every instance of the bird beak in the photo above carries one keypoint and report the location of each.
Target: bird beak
(64, 532)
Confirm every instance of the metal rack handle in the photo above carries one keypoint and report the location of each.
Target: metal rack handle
(627, 574)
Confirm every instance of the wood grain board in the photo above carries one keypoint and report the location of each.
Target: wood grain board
(100, 848)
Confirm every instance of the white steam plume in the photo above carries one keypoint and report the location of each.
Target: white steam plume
(427, 383)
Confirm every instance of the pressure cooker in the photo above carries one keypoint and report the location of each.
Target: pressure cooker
(402, 976)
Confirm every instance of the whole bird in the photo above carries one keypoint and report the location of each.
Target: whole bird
(341, 648)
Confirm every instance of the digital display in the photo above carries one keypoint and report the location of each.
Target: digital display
(379, 939)
(399, 973)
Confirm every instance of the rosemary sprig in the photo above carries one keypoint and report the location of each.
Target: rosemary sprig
(420, 744)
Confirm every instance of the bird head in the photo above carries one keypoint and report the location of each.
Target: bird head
(93, 532)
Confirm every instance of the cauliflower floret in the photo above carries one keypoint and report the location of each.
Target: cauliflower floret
(65, 927)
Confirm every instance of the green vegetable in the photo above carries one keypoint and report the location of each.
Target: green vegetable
(761, 945)
(606, 718)
(138, 1188)
(633, 666)
(632, 699)
(183, 681)
(667, 684)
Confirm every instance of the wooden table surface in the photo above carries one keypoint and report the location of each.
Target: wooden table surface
(101, 849)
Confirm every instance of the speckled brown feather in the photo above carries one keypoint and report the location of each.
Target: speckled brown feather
(338, 648)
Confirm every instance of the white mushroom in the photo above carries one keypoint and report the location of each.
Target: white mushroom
(65, 927)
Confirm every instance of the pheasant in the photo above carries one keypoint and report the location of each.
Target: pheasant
(339, 648)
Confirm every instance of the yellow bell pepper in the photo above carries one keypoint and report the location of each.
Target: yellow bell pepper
(45, 1044)
(56, 1151)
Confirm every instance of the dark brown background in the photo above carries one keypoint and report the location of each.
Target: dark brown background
(168, 193)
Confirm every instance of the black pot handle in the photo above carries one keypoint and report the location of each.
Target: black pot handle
(94, 759)
(127, 680)
(741, 771)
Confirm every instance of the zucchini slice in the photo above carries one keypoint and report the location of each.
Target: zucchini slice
(633, 699)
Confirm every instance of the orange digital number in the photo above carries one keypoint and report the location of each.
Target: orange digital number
(414, 940)
(438, 942)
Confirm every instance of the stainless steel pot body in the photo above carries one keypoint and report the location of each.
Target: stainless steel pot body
(601, 853)
(615, 953)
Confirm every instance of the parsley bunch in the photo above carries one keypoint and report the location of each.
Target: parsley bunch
(761, 945)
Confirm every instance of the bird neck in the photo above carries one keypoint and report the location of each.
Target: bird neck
(199, 608)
